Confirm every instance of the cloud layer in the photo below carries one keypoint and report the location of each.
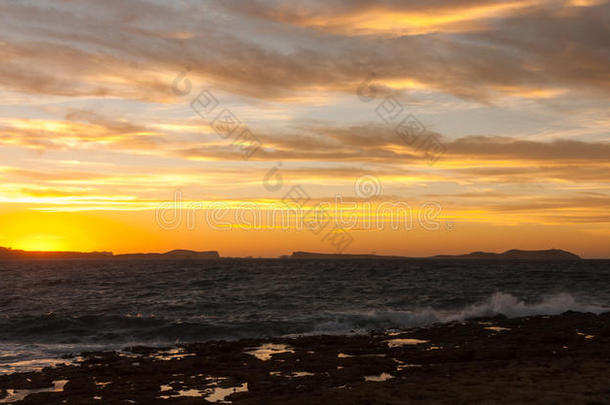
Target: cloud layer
(517, 92)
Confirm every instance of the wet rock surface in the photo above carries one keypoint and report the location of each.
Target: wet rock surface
(562, 359)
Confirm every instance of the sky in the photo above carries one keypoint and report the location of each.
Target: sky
(263, 127)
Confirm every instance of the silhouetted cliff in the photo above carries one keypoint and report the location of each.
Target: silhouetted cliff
(13, 254)
(516, 254)
(172, 255)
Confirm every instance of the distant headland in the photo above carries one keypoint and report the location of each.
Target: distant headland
(178, 254)
(11, 254)
(513, 254)
(516, 254)
(181, 254)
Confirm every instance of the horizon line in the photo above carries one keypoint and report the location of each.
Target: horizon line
(292, 252)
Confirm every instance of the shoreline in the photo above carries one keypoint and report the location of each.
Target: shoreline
(537, 359)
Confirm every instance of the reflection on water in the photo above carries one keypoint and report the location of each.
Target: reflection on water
(18, 395)
(378, 378)
(172, 354)
(347, 356)
(214, 393)
(264, 352)
(294, 374)
(120, 304)
(101, 384)
(180, 393)
(404, 342)
(402, 365)
(29, 365)
(496, 328)
(171, 393)
(220, 394)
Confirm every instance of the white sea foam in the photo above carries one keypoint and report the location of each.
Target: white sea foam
(512, 307)
(497, 304)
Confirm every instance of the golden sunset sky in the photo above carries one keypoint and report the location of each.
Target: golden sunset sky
(99, 131)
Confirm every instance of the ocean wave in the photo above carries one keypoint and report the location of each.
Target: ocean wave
(52, 328)
(497, 304)
(26, 340)
(506, 304)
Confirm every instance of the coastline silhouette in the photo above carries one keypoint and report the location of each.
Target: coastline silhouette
(184, 254)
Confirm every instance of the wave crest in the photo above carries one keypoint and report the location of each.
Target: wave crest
(497, 304)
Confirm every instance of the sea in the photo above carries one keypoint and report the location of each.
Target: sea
(51, 309)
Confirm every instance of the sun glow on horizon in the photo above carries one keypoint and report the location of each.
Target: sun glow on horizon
(363, 116)
(40, 243)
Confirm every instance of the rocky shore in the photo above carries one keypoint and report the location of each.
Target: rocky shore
(563, 359)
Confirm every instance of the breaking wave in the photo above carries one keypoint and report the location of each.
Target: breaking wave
(51, 309)
(497, 304)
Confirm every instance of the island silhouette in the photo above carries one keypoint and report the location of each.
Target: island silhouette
(513, 254)
(183, 254)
